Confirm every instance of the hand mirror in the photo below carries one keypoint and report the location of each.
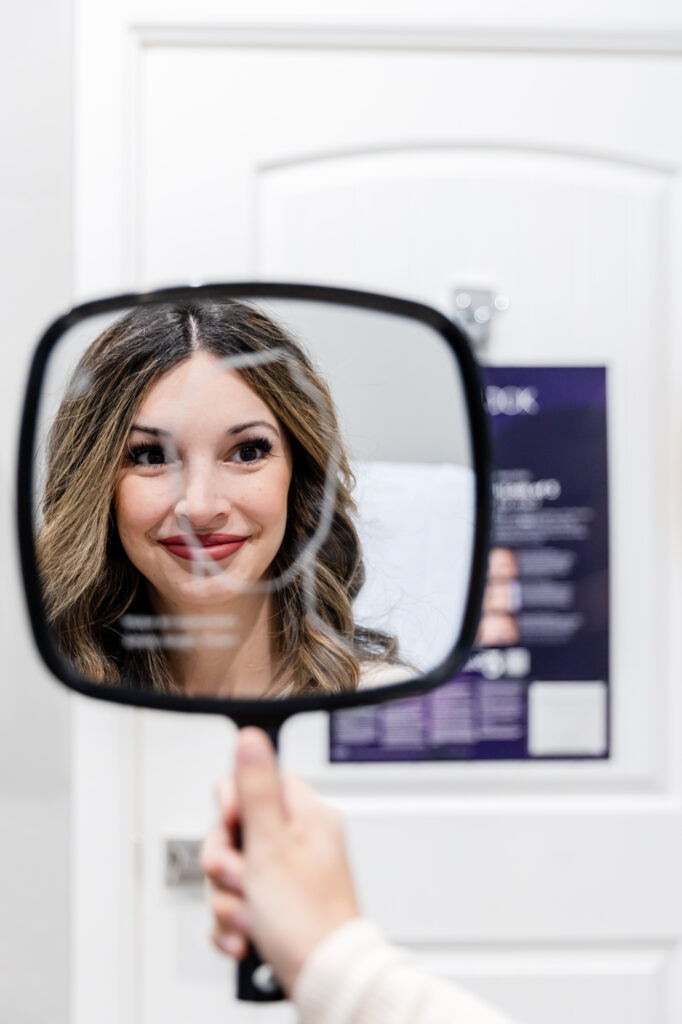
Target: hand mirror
(253, 500)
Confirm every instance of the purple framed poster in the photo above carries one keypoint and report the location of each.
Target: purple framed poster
(537, 683)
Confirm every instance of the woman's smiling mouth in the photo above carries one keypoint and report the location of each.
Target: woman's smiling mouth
(203, 545)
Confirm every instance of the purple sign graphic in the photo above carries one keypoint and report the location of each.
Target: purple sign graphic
(536, 684)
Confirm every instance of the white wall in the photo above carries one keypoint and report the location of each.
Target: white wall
(35, 284)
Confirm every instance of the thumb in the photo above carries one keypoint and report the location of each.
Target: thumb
(259, 796)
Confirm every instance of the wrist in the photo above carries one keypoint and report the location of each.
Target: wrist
(337, 968)
(296, 954)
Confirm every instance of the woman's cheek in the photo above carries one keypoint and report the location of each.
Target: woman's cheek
(141, 505)
(266, 500)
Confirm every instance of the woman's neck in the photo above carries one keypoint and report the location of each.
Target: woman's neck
(231, 651)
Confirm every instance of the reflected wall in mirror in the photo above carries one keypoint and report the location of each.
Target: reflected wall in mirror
(253, 497)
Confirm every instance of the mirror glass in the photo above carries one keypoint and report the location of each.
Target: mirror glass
(253, 499)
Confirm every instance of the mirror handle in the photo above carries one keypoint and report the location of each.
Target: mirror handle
(256, 980)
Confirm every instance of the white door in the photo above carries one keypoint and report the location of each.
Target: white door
(403, 160)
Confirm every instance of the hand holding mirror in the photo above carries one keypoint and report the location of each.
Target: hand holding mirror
(253, 500)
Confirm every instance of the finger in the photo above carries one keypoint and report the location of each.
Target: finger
(211, 847)
(223, 867)
(231, 943)
(226, 797)
(216, 842)
(258, 787)
(230, 912)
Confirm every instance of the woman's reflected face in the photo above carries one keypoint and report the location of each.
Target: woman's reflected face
(201, 497)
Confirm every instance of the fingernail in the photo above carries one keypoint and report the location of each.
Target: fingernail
(228, 880)
(241, 920)
(252, 747)
(233, 945)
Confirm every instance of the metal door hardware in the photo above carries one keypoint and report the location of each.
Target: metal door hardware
(474, 308)
(182, 862)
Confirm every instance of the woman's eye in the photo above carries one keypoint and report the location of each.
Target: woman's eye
(252, 451)
(148, 455)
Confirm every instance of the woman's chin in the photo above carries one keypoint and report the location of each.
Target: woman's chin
(212, 591)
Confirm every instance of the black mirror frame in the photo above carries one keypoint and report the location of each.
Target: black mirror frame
(268, 714)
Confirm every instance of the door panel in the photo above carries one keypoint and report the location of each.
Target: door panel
(552, 889)
(575, 241)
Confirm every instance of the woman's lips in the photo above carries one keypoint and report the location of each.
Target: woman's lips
(206, 545)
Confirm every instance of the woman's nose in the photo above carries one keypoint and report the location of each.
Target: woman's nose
(202, 501)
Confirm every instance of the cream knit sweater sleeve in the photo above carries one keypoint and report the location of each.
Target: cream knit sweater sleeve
(354, 977)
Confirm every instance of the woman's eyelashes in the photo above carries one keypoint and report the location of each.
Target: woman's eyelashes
(148, 453)
(151, 453)
(254, 450)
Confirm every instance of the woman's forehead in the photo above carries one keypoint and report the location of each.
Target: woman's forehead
(201, 387)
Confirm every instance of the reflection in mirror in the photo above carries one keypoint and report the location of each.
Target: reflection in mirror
(244, 499)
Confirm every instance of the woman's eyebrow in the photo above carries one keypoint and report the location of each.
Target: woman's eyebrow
(240, 427)
(156, 431)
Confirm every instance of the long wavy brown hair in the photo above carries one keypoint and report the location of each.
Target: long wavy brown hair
(89, 582)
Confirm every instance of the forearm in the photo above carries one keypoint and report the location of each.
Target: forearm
(355, 977)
